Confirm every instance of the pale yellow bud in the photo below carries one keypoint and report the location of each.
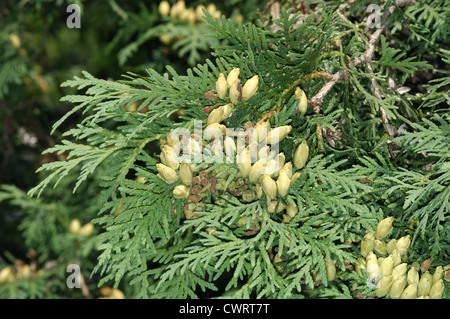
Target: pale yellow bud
(75, 226)
(235, 92)
(425, 283)
(410, 292)
(250, 87)
(379, 247)
(386, 266)
(384, 227)
(384, 286)
(360, 265)
(256, 170)
(303, 104)
(215, 116)
(287, 168)
(274, 205)
(199, 12)
(398, 285)
(399, 270)
(283, 184)
(164, 8)
(248, 196)
(87, 229)
(170, 157)
(437, 290)
(397, 257)
(367, 244)
(221, 86)
(403, 244)
(24, 272)
(291, 210)
(258, 190)
(330, 268)
(15, 41)
(6, 275)
(244, 162)
(276, 135)
(227, 109)
(438, 273)
(215, 130)
(181, 191)
(166, 173)
(269, 186)
(260, 132)
(372, 266)
(185, 174)
(301, 155)
(177, 9)
(391, 245)
(412, 277)
(295, 177)
(116, 294)
(233, 76)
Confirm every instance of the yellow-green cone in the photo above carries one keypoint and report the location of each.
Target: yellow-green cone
(221, 86)
(301, 155)
(164, 8)
(283, 183)
(185, 174)
(425, 283)
(379, 247)
(383, 286)
(391, 245)
(287, 167)
(166, 173)
(367, 244)
(399, 270)
(386, 266)
(384, 227)
(403, 244)
(233, 76)
(295, 177)
(437, 290)
(248, 196)
(244, 162)
(372, 266)
(412, 277)
(410, 292)
(256, 170)
(398, 285)
(277, 134)
(170, 157)
(397, 257)
(330, 269)
(291, 210)
(360, 265)
(215, 116)
(269, 186)
(234, 92)
(273, 205)
(438, 273)
(250, 87)
(303, 104)
(181, 191)
(260, 132)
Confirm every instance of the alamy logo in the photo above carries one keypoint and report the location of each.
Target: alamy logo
(373, 20)
(74, 279)
(74, 19)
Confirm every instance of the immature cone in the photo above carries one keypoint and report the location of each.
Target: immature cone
(361, 265)
(399, 270)
(391, 245)
(233, 76)
(291, 210)
(15, 41)
(221, 86)
(367, 244)
(425, 283)
(303, 104)
(87, 229)
(283, 183)
(274, 205)
(244, 162)
(295, 177)
(276, 135)
(384, 286)
(164, 8)
(235, 93)
(260, 132)
(379, 247)
(412, 277)
(386, 266)
(398, 285)
(6, 275)
(216, 116)
(250, 87)
(75, 226)
(169, 157)
(437, 290)
(256, 170)
(438, 273)
(181, 191)
(287, 168)
(410, 292)
(269, 186)
(177, 9)
(301, 155)
(248, 196)
(372, 266)
(397, 257)
(166, 173)
(330, 269)
(384, 227)
(403, 244)
(185, 174)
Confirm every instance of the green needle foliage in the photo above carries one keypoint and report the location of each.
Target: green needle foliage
(378, 146)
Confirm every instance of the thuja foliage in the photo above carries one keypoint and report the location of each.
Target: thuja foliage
(378, 147)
